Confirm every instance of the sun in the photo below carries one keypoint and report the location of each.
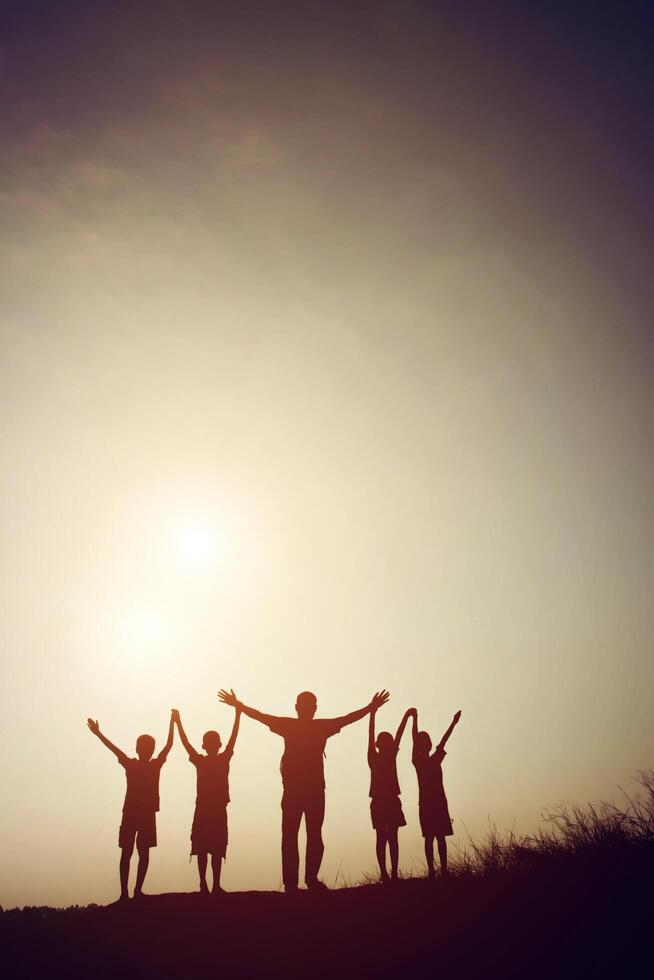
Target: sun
(197, 544)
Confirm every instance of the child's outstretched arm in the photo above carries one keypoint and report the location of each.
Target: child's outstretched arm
(229, 750)
(163, 755)
(182, 734)
(95, 728)
(414, 732)
(372, 752)
(400, 730)
(378, 699)
(228, 697)
(449, 731)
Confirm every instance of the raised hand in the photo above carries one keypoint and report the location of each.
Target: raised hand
(456, 717)
(379, 699)
(174, 714)
(228, 697)
(93, 726)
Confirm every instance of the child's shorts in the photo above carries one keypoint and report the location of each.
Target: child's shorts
(434, 820)
(386, 813)
(141, 828)
(209, 832)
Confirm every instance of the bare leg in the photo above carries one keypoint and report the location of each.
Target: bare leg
(429, 856)
(216, 867)
(394, 851)
(380, 847)
(125, 858)
(442, 853)
(202, 871)
(141, 871)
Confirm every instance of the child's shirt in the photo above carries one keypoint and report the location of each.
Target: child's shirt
(142, 795)
(430, 775)
(212, 778)
(383, 774)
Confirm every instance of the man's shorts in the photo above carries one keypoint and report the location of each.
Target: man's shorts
(141, 828)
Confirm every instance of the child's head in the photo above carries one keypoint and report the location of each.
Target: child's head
(145, 747)
(385, 743)
(211, 743)
(423, 743)
(306, 704)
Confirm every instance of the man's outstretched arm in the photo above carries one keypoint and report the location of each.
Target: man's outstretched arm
(380, 698)
(95, 728)
(163, 755)
(228, 697)
(449, 731)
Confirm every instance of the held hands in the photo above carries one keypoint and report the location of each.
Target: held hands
(380, 698)
(174, 716)
(93, 726)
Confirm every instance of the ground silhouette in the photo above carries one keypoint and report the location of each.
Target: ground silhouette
(574, 901)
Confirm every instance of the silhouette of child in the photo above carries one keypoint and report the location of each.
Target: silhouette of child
(209, 830)
(435, 822)
(139, 822)
(385, 804)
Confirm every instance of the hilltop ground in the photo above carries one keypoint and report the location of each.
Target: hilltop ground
(576, 902)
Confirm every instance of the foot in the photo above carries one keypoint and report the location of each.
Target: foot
(291, 889)
(203, 888)
(315, 885)
(124, 897)
(217, 890)
(138, 895)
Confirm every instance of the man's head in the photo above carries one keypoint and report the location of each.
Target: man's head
(385, 743)
(211, 743)
(145, 747)
(305, 705)
(423, 743)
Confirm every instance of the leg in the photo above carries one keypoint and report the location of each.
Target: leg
(125, 858)
(442, 853)
(202, 871)
(394, 851)
(144, 860)
(429, 856)
(380, 848)
(216, 867)
(291, 817)
(314, 816)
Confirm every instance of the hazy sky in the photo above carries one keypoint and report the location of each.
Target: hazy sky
(326, 364)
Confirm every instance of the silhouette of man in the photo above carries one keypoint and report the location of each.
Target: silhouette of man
(303, 777)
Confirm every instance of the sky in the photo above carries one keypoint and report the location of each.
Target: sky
(326, 363)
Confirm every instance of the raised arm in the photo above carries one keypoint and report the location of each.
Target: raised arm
(95, 728)
(228, 697)
(232, 738)
(371, 737)
(182, 734)
(400, 729)
(449, 731)
(163, 755)
(380, 698)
